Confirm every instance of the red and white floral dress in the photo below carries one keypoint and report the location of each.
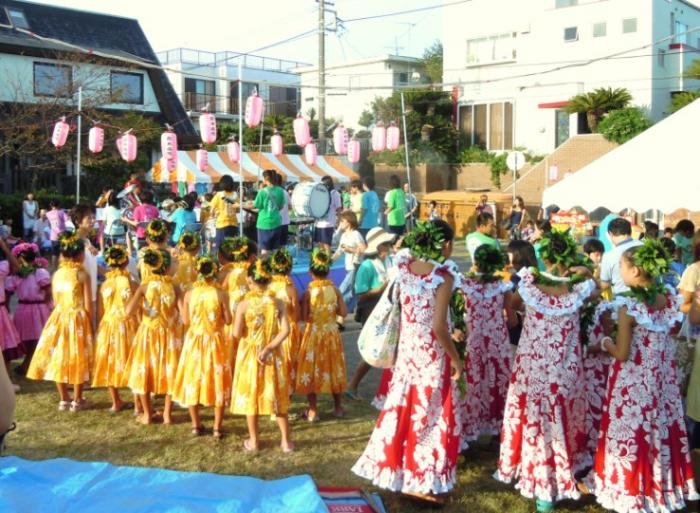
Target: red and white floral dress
(488, 359)
(383, 389)
(643, 461)
(415, 444)
(543, 440)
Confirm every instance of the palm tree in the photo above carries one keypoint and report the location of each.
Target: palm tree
(598, 103)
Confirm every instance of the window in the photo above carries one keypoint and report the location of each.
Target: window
(247, 88)
(199, 94)
(661, 58)
(681, 32)
(400, 78)
(491, 49)
(629, 25)
(126, 87)
(487, 125)
(17, 18)
(53, 80)
(283, 101)
(564, 3)
(4, 19)
(600, 29)
(561, 127)
(571, 34)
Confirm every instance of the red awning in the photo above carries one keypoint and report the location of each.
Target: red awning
(554, 105)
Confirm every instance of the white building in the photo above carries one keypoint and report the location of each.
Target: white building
(345, 96)
(517, 62)
(211, 78)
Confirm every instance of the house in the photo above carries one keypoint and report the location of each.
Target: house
(516, 64)
(47, 53)
(345, 96)
(210, 79)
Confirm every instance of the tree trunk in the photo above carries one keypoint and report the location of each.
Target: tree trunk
(592, 119)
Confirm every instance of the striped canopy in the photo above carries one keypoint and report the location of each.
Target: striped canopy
(293, 168)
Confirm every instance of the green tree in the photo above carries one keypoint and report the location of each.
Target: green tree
(432, 61)
(623, 124)
(366, 119)
(680, 100)
(693, 71)
(598, 103)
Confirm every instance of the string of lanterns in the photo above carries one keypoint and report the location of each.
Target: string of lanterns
(383, 138)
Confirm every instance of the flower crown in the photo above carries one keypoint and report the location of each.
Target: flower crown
(260, 270)
(652, 258)
(157, 230)
(157, 260)
(281, 262)
(320, 261)
(235, 249)
(116, 256)
(189, 241)
(207, 268)
(70, 243)
(27, 250)
(489, 260)
(425, 242)
(566, 252)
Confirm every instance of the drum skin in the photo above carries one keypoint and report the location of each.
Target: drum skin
(311, 199)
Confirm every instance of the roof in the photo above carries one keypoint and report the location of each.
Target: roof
(293, 168)
(113, 35)
(379, 58)
(655, 170)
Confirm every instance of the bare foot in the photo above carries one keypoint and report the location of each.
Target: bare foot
(289, 447)
(143, 419)
(167, 419)
(248, 446)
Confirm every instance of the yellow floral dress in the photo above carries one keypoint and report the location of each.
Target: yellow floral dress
(115, 333)
(64, 351)
(290, 347)
(236, 286)
(186, 274)
(156, 350)
(260, 389)
(321, 362)
(204, 373)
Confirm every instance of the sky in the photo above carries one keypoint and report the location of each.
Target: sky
(213, 25)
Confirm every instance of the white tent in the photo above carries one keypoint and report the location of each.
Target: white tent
(659, 169)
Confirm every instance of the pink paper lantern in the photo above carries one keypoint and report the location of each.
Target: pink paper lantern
(253, 110)
(127, 146)
(202, 159)
(233, 149)
(354, 151)
(168, 145)
(60, 133)
(393, 137)
(277, 144)
(207, 127)
(310, 153)
(340, 140)
(96, 139)
(302, 132)
(379, 137)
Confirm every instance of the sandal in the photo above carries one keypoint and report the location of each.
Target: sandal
(352, 394)
(83, 404)
(544, 506)
(197, 431)
(217, 434)
(309, 418)
(339, 414)
(63, 405)
(248, 446)
(288, 450)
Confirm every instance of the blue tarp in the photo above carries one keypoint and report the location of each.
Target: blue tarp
(67, 486)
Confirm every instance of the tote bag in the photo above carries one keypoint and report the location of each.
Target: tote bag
(379, 337)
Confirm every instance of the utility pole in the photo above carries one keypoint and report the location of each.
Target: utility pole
(321, 76)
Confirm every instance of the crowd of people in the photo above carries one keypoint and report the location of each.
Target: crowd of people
(563, 355)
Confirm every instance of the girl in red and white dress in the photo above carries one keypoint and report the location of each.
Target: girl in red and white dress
(488, 355)
(543, 440)
(416, 441)
(643, 460)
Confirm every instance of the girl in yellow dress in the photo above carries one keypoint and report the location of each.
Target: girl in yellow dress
(321, 367)
(204, 373)
(156, 349)
(235, 255)
(116, 330)
(188, 251)
(157, 235)
(260, 384)
(283, 289)
(64, 351)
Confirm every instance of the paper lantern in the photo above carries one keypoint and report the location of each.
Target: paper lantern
(354, 151)
(166, 168)
(207, 127)
(170, 164)
(310, 153)
(60, 133)
(393, 137)
(277, 144)
(379, 137)
(340, 140)
(233, 149)
(202, 159)
(127, 146)
(302, 132)
(168, 145)
(253, 110)
(96, 139)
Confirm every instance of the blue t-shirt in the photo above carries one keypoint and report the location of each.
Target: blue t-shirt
(367, 278)
(181, 217)
(603, 231)
(370, 206)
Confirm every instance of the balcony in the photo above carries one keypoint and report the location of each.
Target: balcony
(197, 101)
(226, 58)
(271, 108)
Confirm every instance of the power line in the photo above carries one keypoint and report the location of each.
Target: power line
(399, 13)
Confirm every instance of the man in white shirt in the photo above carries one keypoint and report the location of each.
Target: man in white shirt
(325, 227)
(620, 234)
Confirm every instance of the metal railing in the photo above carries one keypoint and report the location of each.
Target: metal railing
(203, 58)
(197, 101)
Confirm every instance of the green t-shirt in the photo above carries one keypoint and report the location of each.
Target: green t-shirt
(269, 211)
(367, 278)
(395, 199)
(476, 239)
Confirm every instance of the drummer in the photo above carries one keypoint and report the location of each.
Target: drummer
(325, 226)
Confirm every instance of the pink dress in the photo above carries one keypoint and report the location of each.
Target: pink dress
(643, 460)
(416, 441)
(488, 358)
(34, 308)
(543, 440)
(10, 343)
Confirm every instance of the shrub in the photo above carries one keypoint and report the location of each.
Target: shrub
(622, 125)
